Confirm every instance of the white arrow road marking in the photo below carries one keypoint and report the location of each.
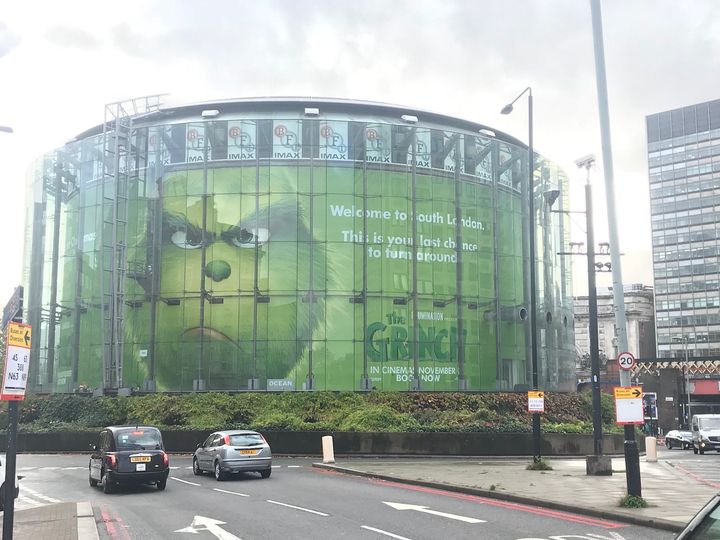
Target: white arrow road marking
(201, 523)
(426, 510)
(298, 508)
(230, 492)
(380, 531)
(184, 481)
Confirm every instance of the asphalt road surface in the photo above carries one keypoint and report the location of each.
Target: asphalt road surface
(299, 502)
(702, 468)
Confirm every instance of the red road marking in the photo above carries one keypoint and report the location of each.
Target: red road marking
(109, 522)
(558, 514)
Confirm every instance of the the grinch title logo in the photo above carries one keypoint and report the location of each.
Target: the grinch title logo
(390, 341)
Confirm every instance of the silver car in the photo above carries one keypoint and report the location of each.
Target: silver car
(225, 452)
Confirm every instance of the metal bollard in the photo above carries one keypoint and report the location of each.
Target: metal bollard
(651, 449)
(327, 448)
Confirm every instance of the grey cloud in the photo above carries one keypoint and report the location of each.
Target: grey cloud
(67, 36)
(8, 40)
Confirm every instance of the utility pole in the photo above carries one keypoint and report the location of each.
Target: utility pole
(632, 456)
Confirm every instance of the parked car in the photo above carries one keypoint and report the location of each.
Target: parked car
(2, 486)
(706, 523)
(225, 452)
(129, 455)
(678, 439)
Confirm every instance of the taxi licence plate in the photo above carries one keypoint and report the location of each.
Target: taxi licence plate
(140, 459)
(250, 452)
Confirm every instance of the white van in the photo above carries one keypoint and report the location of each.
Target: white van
(705, 432)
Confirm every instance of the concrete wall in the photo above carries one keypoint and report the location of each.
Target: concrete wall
(352, 443)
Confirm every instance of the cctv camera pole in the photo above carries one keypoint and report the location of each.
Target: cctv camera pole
(9, 492)
(632, 456)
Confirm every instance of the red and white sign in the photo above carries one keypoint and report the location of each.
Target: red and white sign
(626, 361)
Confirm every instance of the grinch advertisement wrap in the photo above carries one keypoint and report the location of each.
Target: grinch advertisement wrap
(279, 254)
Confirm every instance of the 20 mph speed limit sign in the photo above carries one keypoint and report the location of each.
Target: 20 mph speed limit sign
(626, 361)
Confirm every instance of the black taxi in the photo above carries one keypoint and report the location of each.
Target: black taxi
(129, 455)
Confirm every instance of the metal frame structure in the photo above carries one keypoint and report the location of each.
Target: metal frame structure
(117, 154)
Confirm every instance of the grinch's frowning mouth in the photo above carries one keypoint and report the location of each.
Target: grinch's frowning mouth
(210, 333)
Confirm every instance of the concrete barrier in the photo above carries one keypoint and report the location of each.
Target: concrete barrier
(327, 448)
(651, 449)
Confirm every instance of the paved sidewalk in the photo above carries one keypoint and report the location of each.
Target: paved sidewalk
(61, 521)
(673, 497)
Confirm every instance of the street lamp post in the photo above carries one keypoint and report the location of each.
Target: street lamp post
(587, 163)
(11, 454)
(686, 382)
(507, 109)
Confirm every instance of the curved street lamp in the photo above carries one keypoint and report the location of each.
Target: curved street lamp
(507, 109)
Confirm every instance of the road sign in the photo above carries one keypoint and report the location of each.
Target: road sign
(17, 362)
(536, 401)
(626, 361)
(629, 405)
(13, 309)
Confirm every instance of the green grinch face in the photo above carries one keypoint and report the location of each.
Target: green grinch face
(257, 256)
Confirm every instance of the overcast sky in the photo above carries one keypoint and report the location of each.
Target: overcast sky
(60, 62)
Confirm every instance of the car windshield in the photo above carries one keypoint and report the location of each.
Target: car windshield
(245, 439)
(710, 423)
(138, 439)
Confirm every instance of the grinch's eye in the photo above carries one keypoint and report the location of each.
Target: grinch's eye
(246, 238)
(182, 240)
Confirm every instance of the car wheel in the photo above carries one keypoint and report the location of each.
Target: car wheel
(197, 471)
(93, 482)
(219, 473)
(266, 473)
(668, 444)
(107, 483)
(161, 484)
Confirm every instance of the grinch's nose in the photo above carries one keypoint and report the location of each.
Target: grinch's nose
(217, 270)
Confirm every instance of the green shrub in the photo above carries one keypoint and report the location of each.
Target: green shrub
(317, 411)
(633, 501)
(379, 418)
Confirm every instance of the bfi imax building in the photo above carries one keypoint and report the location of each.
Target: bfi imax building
(293, 244)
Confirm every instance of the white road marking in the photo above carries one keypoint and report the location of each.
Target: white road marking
(426, 510)
(231, 492)
(275, 466)
(299, 508)
(40, 495)
(26, 468)
(294, 466)
(201, 523)
(28, 501)
(173, 468)
(380, 531)
(184, 481)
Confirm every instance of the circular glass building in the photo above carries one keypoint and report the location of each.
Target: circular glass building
(293, 244)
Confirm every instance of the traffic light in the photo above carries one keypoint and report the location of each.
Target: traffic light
(650, 406)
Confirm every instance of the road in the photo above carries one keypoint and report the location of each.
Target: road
(703, 468)
(299, 502)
